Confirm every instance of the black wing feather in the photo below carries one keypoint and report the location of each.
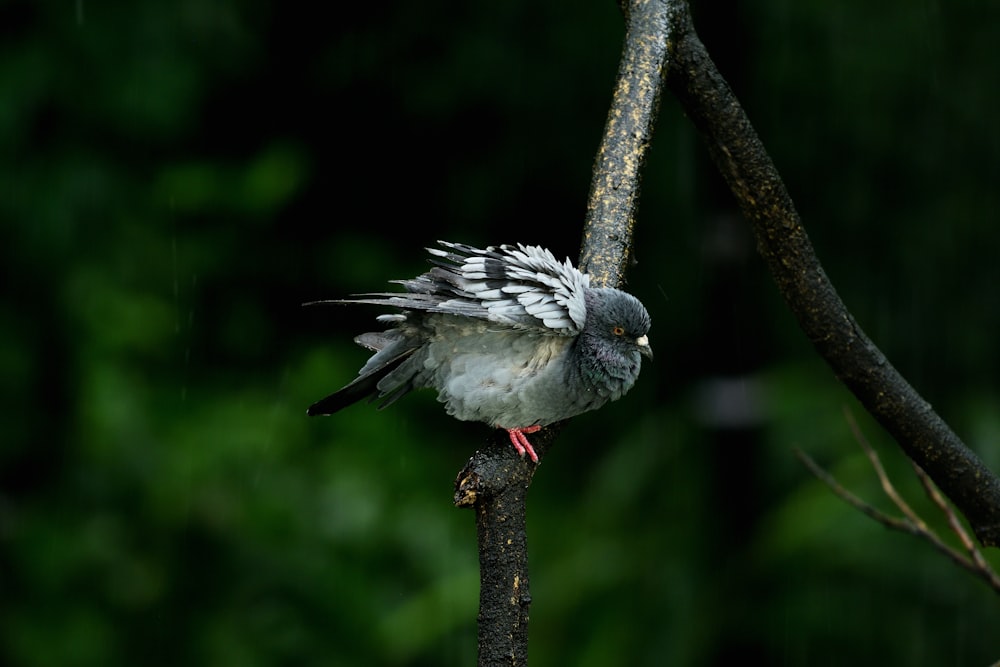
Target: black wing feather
(364, 386)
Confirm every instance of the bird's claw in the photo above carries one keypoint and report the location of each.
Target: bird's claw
(520, 441)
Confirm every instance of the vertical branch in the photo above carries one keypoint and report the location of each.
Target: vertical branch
(495, 481)
(503, 567)
(495, 484)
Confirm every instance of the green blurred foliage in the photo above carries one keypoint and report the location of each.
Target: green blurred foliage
(180, 177)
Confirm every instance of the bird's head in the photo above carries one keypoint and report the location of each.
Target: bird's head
(619, 320)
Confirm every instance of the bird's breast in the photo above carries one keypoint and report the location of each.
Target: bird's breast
(506, 378)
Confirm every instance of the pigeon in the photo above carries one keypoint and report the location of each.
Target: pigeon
(506, 335)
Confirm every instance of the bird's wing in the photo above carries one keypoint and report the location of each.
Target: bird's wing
(523, 287)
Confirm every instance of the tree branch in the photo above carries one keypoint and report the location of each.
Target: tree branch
(495, 484)
(495, 481)
(614, 187)
(782, 242)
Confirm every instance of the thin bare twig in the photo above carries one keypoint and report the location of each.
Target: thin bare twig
(883, 478)
(955, 524)
(972, 560)
(854, 501)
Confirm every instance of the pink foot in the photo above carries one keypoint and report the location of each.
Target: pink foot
(520, 440)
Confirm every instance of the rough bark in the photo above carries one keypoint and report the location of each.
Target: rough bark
(628, 132)
(495, 484)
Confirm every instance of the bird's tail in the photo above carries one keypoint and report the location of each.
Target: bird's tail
(390, 353)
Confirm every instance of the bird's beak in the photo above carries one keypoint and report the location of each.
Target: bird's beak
(644, 348)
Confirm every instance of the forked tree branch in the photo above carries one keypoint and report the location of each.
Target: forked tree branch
(662, 48)
(495, 481)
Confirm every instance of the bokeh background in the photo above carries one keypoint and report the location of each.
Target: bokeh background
(177, 178)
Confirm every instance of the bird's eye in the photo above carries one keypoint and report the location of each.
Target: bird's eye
(618, 331)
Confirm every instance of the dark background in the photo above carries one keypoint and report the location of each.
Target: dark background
(178, 177)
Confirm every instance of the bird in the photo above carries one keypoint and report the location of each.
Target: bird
(506, 335)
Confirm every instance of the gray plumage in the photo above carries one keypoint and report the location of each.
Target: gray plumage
(508, 336)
